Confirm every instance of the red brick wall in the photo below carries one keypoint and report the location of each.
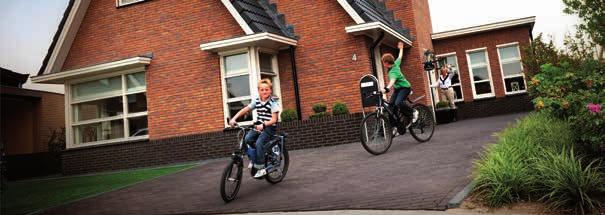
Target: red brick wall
(415, 16)
(183, 82)
(487, 39)
(326, 72)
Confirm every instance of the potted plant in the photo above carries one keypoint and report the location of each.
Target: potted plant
(445, 114)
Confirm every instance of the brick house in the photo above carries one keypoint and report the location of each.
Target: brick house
(140, 74)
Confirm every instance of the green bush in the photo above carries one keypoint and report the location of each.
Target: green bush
(340, 108)
(289, 115)
(320, 108)
(506, 172)
(568, 184)
(442, 104)
(318, 115)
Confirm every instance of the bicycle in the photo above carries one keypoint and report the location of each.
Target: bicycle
(276, 162)
(379, 124)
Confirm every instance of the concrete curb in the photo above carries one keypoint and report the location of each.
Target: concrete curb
(460, 196)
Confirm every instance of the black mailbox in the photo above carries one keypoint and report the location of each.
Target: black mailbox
(367, 85)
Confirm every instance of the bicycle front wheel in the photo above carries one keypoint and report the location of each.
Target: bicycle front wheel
(422, 130)
(231, 180)
(376, 134)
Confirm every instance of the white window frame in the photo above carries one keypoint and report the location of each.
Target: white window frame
(522, 74)
(69, 111)
(120, 3)
(459, 74)
(254, 75)
(489, 72)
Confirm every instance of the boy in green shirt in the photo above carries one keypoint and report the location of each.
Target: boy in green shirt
(401, 85)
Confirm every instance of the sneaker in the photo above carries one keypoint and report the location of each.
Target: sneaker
(415, 116)
(260, 173)
(250, 165)
(394, 131)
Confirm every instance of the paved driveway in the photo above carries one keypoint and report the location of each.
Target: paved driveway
(409, 176)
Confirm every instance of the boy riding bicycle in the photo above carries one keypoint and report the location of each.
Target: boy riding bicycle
(401, 86)
(267, 110)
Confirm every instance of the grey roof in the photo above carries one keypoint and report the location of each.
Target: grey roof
(376, 11)
(262, 16)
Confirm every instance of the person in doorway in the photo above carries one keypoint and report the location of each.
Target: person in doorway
(446, 92)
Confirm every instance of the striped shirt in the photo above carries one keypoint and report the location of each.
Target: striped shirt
(264, 109)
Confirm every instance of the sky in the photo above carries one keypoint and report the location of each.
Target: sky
(29, 25)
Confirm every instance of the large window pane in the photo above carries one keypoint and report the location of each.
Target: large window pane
(513, 68)
(137, 102)
(99, 131)
(514, 84)
(98, 109)
(135, 82)
(266, 64)
(510, 52)
(103, 87)
(235, 64)
(234, 107)
(480, 74)
(138, 126)
(238, 86)
(483, 88)
(477, 58)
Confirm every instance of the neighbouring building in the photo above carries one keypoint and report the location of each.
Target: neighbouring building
(32, 122)
(150, 82)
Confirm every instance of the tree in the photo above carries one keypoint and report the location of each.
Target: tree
(592, 14)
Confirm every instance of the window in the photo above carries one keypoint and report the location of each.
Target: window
(481, 78)
(512, 70)
(127, 2)
(109, 110)
(451, 59)
(240, 77)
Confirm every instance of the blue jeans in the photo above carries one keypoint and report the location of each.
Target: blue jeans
(261, 139)
(398, 99)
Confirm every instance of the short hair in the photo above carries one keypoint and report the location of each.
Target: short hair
(388, 58)
(265, 81)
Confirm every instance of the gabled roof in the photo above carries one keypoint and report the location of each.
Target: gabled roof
(70, 4)
(376, 11)
(259, 16)
(527, 21)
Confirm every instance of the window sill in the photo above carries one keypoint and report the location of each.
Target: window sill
(516, 94)
(108, 143)
(485, 98)
(118, 6)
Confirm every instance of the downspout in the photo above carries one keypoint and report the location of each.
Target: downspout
(372, 56)
(295, 80)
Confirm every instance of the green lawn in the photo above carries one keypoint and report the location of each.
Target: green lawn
(27, 196)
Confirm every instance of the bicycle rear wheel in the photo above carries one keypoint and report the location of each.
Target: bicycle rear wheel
(376, 134)
(231, 180)
(422, 130)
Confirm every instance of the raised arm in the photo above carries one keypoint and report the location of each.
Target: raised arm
(239, 113)
(400, 46)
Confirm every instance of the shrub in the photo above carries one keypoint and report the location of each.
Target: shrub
(567, 184)
(442, 104)
(506, 173)
(289, 115)
(319, 115)
(340, 108)
(320, 108)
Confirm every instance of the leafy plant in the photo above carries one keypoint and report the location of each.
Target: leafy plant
(289, 115)
(441, 104)
(567, 184)
(320, 108)
(340, 108)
